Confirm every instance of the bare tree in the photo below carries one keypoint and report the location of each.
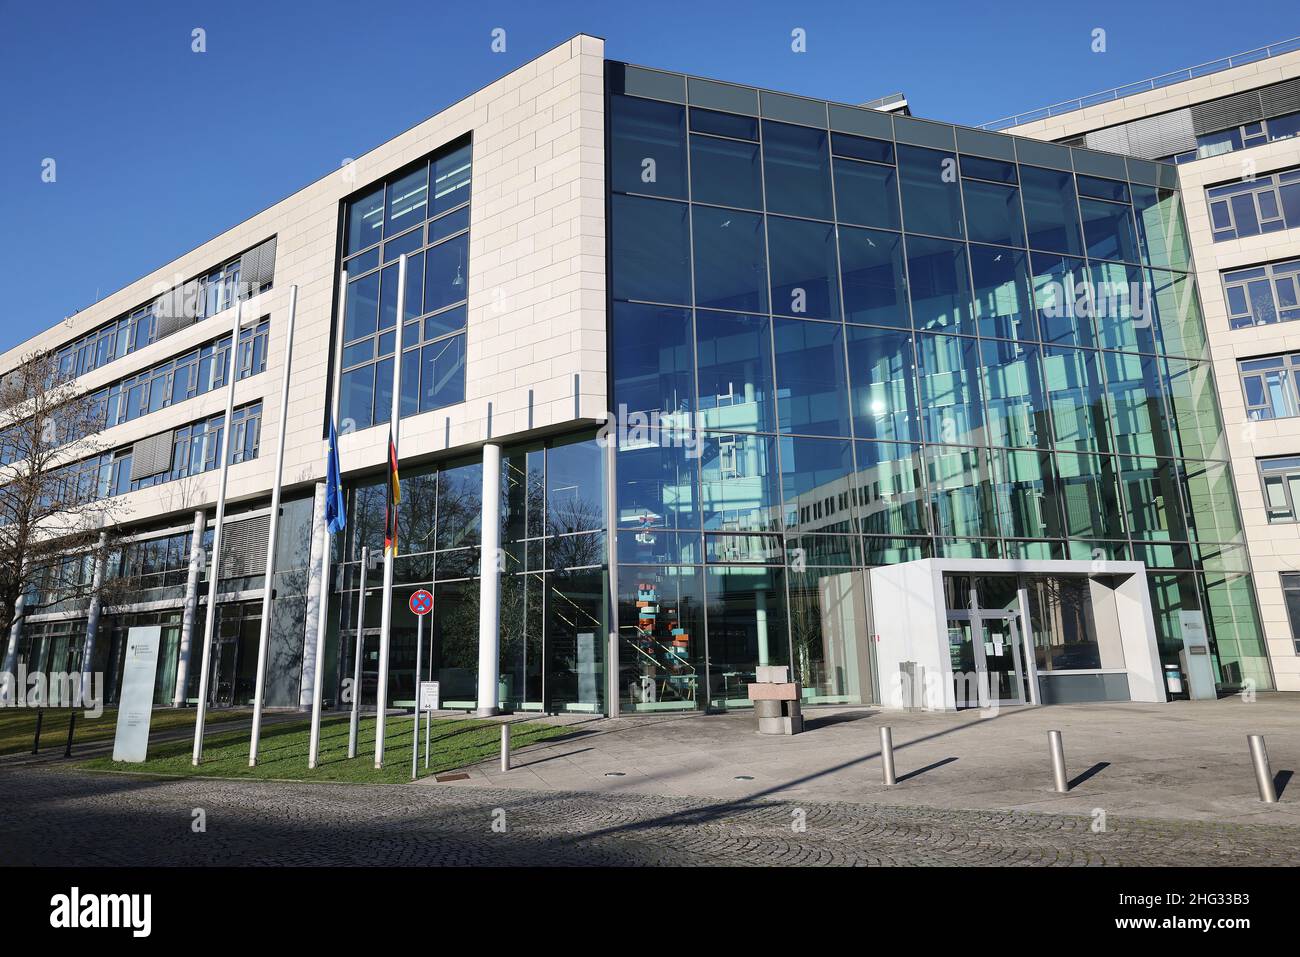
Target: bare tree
(53, 510)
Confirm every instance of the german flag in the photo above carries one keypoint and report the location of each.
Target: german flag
(393, 500)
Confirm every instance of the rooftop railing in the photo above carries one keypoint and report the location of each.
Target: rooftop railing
(1143, 86)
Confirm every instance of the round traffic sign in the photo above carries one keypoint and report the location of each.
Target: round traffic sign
(421, 602)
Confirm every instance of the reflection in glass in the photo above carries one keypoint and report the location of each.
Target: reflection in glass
(740, 479)
(647, 147)
(1002, 293)
(747, 628)
(931, 194)
(882, 369)
(940, 285)
(948, 368)
(735, 371)
(811, 386)
(1013, 394)
(661, 638)
(726, 173)
(805, 279)
(651, 255)
(730, 271)
(875, 285)
(889, 489)
(796, 166)
(815, 484)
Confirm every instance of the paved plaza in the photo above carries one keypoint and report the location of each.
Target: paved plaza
(1182, 760)
(1171, 784)
(57, 817)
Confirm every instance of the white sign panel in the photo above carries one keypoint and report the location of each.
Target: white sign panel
(135, 705)
(1196, 657)
(430, 696)
(587, 666)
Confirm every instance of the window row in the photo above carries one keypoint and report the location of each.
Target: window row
(743, 163)
(668, 252)
(738, 484)
(195, 449)
(1240, 137)
(197, 372)
(742, 372)
(210, 294)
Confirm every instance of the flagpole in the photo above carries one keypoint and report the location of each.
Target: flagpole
(323, 603)
(264, 638)
(386, 609)
(215, 566)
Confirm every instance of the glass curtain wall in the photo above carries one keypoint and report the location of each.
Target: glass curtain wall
(843, 339)
(554, 579)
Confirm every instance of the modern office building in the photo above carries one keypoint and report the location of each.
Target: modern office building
(1233, 129)
(694, 377)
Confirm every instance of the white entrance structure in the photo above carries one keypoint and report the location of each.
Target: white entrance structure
(1072, 631)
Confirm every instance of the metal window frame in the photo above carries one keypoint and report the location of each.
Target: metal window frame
(1284, 474)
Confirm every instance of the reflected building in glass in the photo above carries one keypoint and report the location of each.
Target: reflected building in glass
(868, 339)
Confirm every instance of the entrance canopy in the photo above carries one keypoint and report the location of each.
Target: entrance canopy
(953, 633)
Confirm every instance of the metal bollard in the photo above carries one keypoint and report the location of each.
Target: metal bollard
(505, 747)
(72, 724)
(1058, 761)
(887, 756)
(1263, 773)
(36, 739)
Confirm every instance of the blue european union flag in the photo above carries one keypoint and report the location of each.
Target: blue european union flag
(335, 514)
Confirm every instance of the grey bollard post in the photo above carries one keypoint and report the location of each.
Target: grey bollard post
(1263, 773)
(1058, 761)
(887, 756)
(505, 747)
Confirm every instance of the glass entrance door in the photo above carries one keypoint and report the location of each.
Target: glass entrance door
(1001, 653)
(984, 643)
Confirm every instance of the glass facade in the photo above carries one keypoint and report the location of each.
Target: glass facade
(554, 579)
(843, 339)
(422, 212)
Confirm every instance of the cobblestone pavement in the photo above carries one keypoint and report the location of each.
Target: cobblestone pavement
(73, 818)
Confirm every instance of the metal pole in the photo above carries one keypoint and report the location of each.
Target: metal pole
(1263, 773)
(72, 724)
(415, 722)
(386, 610)
(1058, 761)
(191, 613)
(356, 658)
(428, 731)
(214, 572)
(887, 756)
(264, 637)
(36, 741)
(322, 612)
(505, 747)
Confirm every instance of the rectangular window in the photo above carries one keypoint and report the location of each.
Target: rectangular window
(1270, 386)
(1291, 592)
(1262, 295)
(1280, 478)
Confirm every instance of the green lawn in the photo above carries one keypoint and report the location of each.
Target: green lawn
(283, 750)
(18, 725)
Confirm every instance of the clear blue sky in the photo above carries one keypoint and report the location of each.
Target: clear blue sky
(158, 148)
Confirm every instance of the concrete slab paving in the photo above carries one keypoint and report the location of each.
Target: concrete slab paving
(1181, 760)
